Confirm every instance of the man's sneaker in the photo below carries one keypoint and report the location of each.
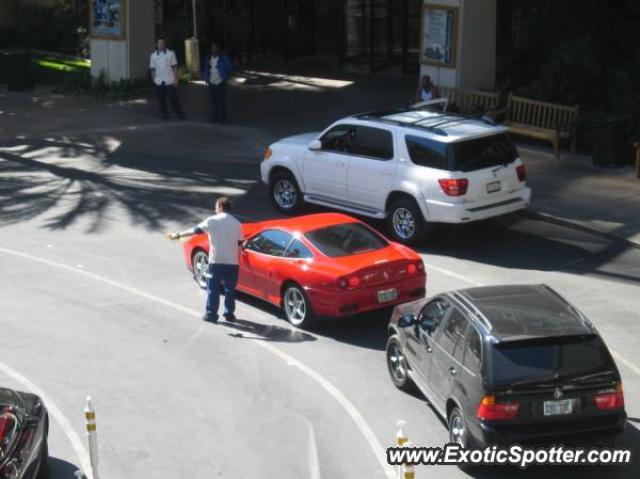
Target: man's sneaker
(230, 316)
(212, 318)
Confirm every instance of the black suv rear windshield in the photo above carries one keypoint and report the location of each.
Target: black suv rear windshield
(346, 239)
(565, 356)
(483, 153)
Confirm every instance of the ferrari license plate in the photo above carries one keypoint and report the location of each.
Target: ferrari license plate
(386, 295)
(493, 186)
(558, 408)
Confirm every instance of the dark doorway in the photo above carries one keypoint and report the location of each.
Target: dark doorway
(379, 34)
(299, 28)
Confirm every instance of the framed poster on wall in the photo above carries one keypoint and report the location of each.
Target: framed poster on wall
(106, 19)
(438, 35)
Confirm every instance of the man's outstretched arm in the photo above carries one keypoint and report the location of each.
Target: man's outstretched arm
(196, 230)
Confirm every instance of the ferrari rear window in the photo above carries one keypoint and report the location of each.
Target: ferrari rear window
(346, 239)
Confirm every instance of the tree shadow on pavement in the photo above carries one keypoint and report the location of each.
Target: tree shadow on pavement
(84, 181)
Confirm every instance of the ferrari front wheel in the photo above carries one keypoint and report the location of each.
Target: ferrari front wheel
(296, 307)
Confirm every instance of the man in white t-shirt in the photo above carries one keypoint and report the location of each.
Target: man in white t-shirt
(164, 73)
(225, 238)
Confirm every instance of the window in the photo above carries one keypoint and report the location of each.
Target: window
(271, 242)
(484, 152)
(346, 239)
(426, 152)
(473, 350)
(542, 359)
(435, 310)
(297, 249)
(373, 142)
(339, 138)
(453, 328)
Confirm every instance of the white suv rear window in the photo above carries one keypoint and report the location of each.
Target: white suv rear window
(469, 155)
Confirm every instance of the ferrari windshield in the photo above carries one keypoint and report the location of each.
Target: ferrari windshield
(346, 239)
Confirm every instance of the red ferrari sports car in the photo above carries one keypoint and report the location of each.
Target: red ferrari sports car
(320, 265)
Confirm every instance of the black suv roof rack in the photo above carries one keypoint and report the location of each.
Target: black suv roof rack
(469, 306)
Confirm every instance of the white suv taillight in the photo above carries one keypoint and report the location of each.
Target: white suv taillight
(454, 186)
(521, 170)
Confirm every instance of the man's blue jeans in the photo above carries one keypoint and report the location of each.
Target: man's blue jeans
(227, 275)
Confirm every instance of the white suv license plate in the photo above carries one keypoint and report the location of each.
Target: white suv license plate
(493, 186)
(386, 295)
(558, 408)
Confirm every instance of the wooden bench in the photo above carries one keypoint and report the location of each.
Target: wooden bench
(470, 101)
(541, 120)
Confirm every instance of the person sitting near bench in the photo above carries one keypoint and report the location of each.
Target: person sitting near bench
(426, 90)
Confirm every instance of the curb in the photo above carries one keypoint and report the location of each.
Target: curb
(549, 218)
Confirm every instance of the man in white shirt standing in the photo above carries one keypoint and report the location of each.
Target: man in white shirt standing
(225, 238)
(164, 73)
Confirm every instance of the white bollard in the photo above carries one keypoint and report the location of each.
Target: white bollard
(92, 436)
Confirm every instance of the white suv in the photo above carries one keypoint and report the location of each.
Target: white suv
(409, 166)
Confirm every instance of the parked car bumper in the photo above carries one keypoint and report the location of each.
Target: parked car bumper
(347, 303)
(460, 212)
(584, 430)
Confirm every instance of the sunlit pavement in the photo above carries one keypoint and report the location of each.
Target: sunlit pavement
(95, 301)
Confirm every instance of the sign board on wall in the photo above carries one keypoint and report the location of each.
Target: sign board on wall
(106, 19)
(438, 35)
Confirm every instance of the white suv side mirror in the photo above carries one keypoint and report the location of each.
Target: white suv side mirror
(315, 145)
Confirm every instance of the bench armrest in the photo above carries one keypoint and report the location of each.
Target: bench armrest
(499, 114)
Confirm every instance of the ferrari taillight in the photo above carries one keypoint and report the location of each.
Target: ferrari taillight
(414, 267)
(351, 281)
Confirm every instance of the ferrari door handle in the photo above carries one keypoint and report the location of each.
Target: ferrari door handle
(387, 173)
(453, 371)
(340, 163)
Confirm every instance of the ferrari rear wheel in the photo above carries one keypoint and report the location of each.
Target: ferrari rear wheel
(200, 264)
(296, 306)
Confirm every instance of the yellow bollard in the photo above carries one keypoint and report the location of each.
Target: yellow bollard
(407, 469)
(92, 436)
(401, 436)
(401, 440)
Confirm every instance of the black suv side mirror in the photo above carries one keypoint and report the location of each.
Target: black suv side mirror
(407, 320)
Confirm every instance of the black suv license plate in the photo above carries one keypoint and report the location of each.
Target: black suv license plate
(558, 408)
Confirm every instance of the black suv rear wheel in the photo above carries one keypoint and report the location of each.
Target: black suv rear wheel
(397, 364)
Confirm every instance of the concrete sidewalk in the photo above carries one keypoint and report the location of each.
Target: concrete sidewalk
(269, 104)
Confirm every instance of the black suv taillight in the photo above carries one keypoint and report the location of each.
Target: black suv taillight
(490, 410)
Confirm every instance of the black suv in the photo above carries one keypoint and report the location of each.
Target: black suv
(507, 364)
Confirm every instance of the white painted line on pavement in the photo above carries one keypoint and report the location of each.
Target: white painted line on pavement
(353, 412)
(347, 405)
(56, 413)
(314, 462)
(452, 274)
(619, 357)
